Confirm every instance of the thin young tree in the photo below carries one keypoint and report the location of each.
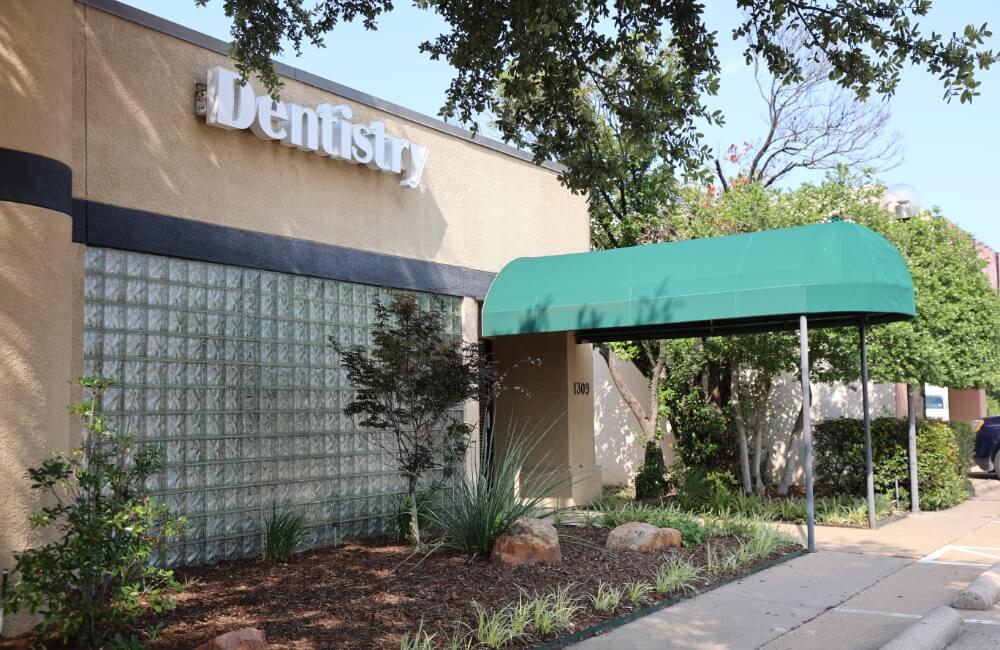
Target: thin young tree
(408, 385)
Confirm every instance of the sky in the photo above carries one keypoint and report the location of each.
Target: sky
(950, 149)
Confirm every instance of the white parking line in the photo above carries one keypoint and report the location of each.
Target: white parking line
(878, 612)
(932, 557)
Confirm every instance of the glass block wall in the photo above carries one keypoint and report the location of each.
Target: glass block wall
(229, 370)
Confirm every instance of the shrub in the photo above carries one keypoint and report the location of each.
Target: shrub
(840, 459)
(966, 439)
(482, 507)
(99, 576)
(284, 532)
(703, 489)
(651, 480)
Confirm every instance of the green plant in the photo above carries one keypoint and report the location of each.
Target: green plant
(492, 629)
(608, 597)
(483, 506)
(521, 614)
(638, 591)
(424, 499)
(651, 480)
(284, 532)
(406, 388)
(99, 576)
(840, 459)
(692, 532)
(702, 489)
(676, 575)
(553, 612)
(459, 640)
(419, 641)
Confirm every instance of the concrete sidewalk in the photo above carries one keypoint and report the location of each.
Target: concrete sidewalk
(858, 591)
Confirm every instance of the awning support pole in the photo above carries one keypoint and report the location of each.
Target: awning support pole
(866, 406)
(911, 411)
(807, 434)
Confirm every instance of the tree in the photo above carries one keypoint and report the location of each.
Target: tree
(813, 123)
(407, 387)
(626, 147)
(539, 54)
(955, 338)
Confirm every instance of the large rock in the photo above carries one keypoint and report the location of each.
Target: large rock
(637, 536)
(247, 638)
(528, 541)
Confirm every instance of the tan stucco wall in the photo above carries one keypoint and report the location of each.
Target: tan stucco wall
(145, 148)
(538, 403)
(618, 442)
(38, 264)
(114, 100)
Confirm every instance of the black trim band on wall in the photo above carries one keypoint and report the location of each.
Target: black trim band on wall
(110, 226)
(35, 180)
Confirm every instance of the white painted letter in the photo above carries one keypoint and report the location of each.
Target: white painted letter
(230, 106)
(269, 111)
(415, 161)
(303, 128)
(378, 133)
(363, 152)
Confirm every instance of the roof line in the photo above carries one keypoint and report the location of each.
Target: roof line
(164, 26)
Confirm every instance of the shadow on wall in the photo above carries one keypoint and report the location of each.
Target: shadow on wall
(829, 401)
(619, 448)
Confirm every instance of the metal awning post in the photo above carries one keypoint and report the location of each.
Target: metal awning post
(807, 433)
(865, 405)
(911, 411)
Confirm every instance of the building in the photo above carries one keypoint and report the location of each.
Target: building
(203, 268)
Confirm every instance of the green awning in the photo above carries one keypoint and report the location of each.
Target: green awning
(833, 273)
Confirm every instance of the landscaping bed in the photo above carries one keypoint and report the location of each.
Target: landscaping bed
(370, 594)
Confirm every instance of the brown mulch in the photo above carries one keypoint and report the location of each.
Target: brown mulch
(369, 594)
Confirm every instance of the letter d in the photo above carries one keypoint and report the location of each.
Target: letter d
(230, 106)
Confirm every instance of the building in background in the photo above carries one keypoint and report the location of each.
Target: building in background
(198, 242)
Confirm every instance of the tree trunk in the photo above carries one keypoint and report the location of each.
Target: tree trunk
(647, 418)
(786, 475)
(760, 412)
(411, 489)
(739, 422)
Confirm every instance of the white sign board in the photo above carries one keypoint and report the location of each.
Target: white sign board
(324, 130)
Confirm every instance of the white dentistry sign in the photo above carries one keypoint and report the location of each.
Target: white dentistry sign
(324, 130)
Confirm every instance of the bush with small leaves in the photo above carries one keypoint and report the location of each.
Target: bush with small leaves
(101, 573)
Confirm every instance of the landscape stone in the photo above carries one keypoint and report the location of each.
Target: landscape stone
(528, 541)
(639, 536)
(247, 638)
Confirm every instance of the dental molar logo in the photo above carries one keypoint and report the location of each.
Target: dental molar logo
(325, 130)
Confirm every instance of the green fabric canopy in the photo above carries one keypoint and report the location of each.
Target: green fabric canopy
(833, 273)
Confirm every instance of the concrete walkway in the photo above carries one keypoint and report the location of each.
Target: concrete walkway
(858, 591)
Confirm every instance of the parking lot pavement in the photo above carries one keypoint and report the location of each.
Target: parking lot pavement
(858, 591)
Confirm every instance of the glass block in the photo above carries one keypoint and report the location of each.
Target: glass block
(230, 370)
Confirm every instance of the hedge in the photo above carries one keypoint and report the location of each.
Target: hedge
(943, 457)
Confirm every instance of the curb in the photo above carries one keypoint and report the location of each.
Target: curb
(618, 621)
(982, 593)
(934, 631)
